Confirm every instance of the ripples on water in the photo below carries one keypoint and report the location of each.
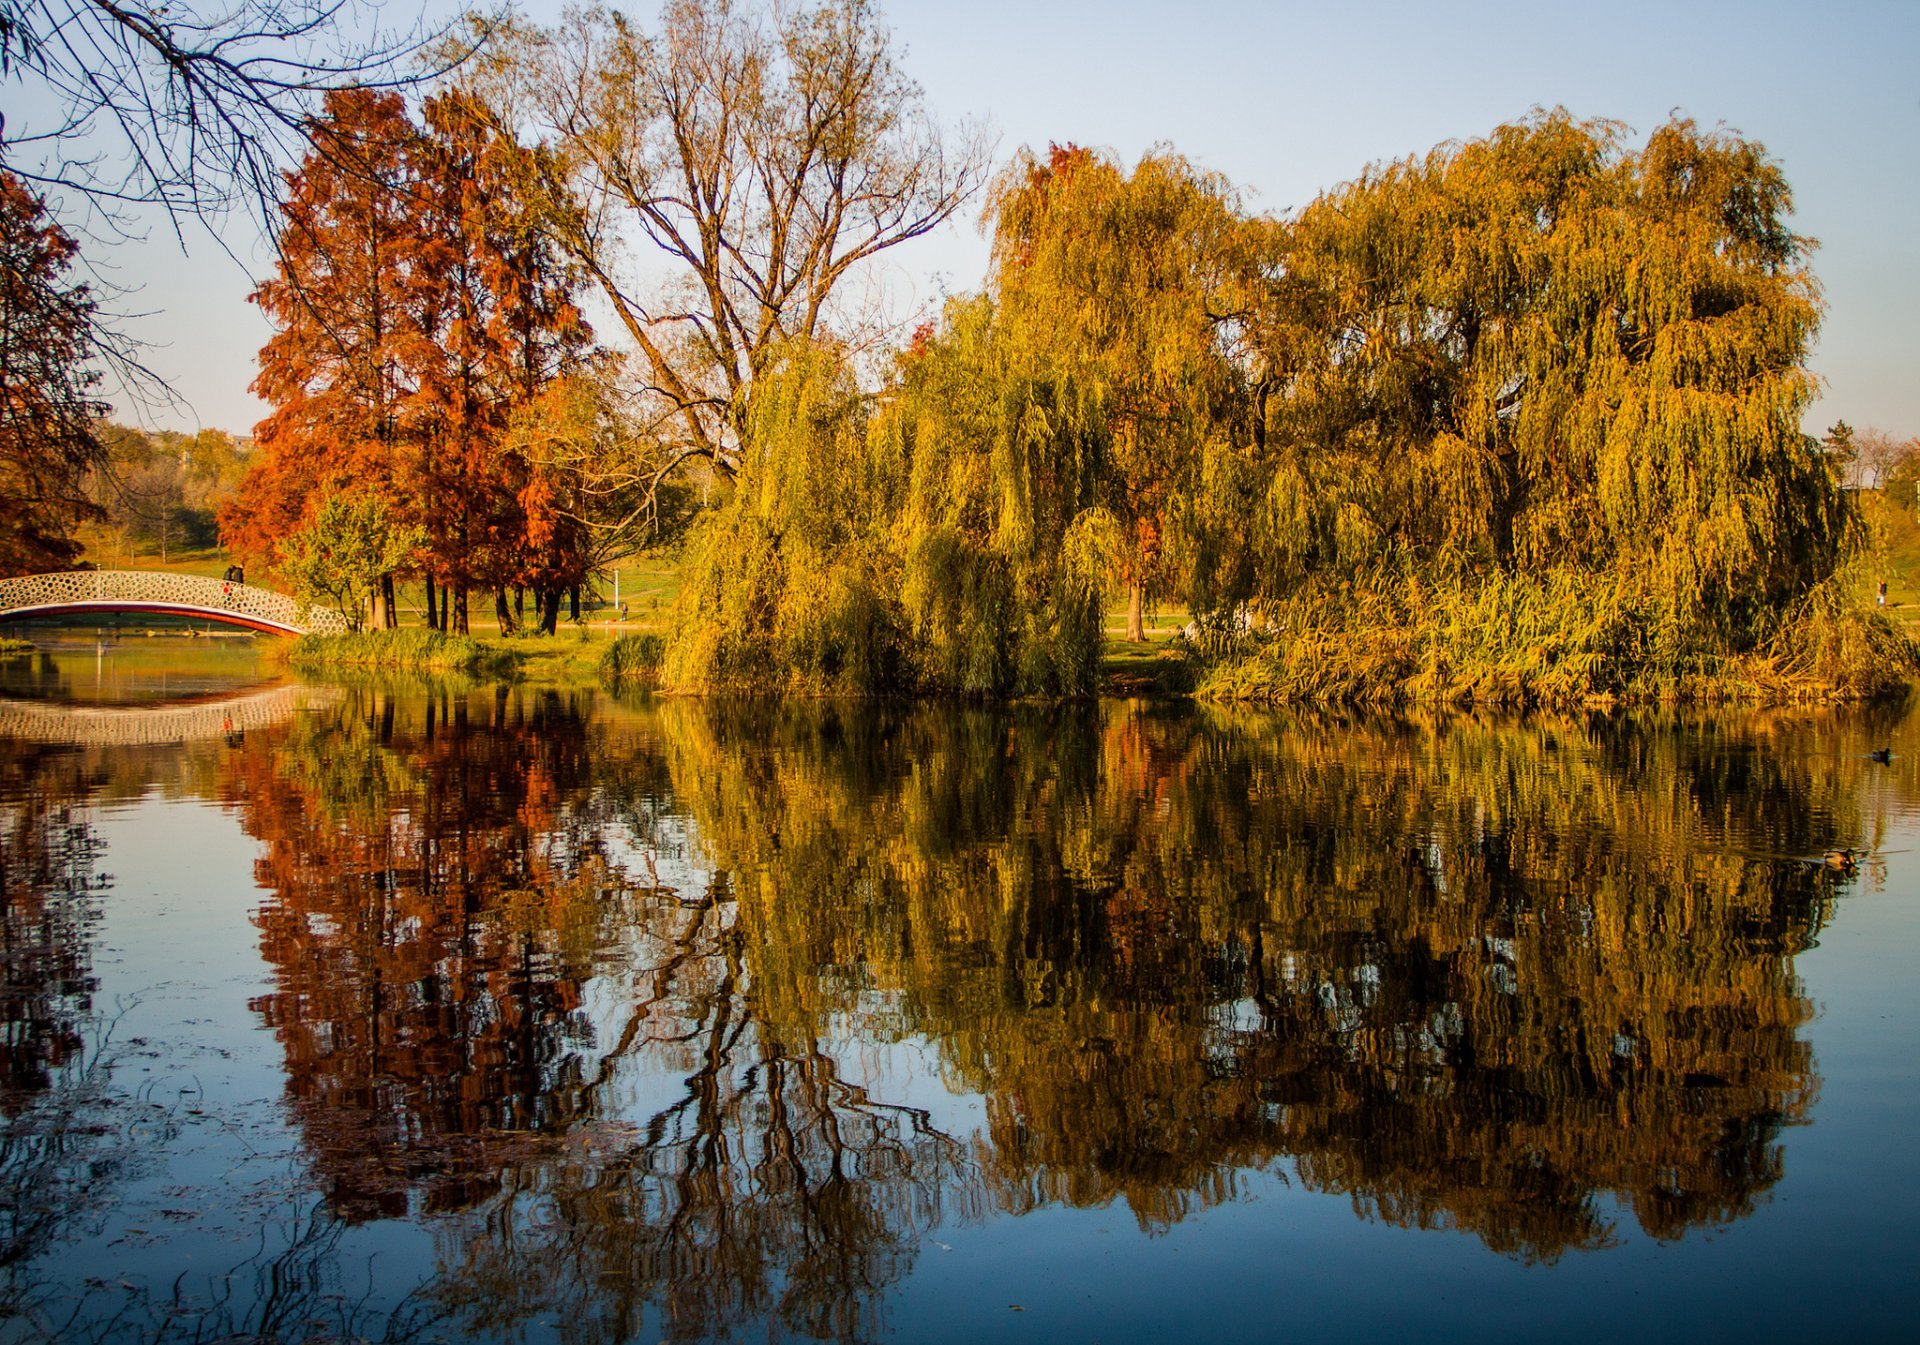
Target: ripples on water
(409, 1011)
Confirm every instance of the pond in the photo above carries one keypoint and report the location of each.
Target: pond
(450, 1011)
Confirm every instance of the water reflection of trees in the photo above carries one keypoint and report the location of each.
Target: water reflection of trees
(57, 1153)
(448, 878)
(1469, 975)
(613, 993)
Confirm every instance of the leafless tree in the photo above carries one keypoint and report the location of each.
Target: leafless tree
(722, 178)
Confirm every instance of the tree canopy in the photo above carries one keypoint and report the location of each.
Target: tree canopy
(1515, 419)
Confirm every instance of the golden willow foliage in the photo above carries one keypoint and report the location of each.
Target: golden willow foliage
(1533, 430)
(790, 582)
(1515, 421)
(944, 542)
(1127, 290)
(961, 536)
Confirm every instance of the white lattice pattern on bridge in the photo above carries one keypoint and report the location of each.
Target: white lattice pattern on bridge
(149, 590)
(134, 725)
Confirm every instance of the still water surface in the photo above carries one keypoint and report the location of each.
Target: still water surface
(476, 1012)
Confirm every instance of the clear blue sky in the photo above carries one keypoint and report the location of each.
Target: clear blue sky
(1289, 99)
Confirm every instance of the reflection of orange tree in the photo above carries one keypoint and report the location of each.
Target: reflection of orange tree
(1471, 976)
(431, 922)
(443, 890)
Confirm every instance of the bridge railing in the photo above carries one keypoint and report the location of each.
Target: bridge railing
(151, 588)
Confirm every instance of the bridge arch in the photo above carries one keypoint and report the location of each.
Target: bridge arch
(81, 592)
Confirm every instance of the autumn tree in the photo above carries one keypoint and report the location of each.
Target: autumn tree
(499, 324)
(1130, 286)
(333, 371)
(416, 309)
(1532, 411)
(49, 387)
(164, 487)
(346, 551)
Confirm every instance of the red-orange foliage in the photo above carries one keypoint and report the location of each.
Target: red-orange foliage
(333, 371)
(48, 411)
(416, 307)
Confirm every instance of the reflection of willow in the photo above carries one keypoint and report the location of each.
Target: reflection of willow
(774, 1188)
(1472, 976)
(450, 892)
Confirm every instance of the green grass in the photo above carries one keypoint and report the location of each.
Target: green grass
(105, 552)
(631, 659)
(8, 646)
(604, 647)
(413, 650)
(1896, 550)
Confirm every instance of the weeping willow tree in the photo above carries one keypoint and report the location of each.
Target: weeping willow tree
(948, 539)
(1055, 424)
(792, 582)
(1004, 543)
(1531, 425)
(1132, 288)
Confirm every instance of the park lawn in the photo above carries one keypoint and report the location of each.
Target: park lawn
(647, 586)
(102, 551)
(1896, 537)
(650, 585)
(1150, 668)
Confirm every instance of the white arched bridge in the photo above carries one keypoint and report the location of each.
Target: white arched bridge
(84, 592)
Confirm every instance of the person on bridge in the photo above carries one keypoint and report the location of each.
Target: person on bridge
(234, 575)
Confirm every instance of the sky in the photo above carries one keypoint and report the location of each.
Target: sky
(1288, 100)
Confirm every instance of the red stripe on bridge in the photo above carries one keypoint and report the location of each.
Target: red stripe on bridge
(153, 609)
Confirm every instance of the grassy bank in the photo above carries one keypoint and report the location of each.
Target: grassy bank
(631, 660)
(574, 657)
(8, 646)
(1562, 640)
(411, 650)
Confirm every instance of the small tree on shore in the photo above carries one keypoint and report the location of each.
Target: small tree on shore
(342, 556)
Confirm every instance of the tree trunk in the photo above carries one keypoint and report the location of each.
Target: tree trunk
(520, 603)
(573, 599)
(500, 609)
(389, 608)
(433, 611)
(548, 602)
(1136, 605)
(460, 610)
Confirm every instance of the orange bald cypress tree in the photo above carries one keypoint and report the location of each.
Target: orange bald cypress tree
(506, 324)
(333, 371)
